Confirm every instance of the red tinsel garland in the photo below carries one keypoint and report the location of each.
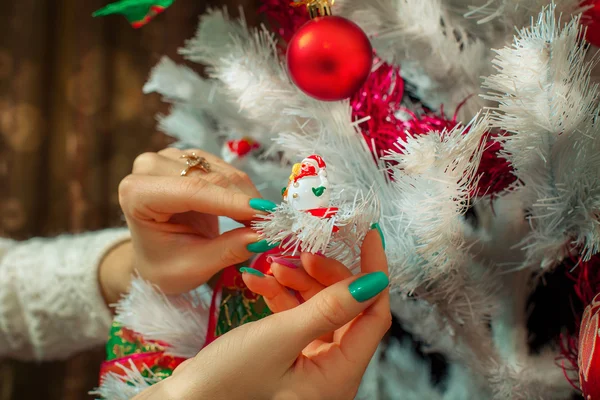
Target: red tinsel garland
(284, 18)
(495, 172)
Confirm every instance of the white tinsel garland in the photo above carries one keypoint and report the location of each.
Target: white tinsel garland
(190, 128)
(549, 107)
(433, 179)
(434, 169)
(197, 99)
(180, 321)
(175, 82)
(204, 117)
(503, 16)
(125, 386)
(437, 53)
(245, 62)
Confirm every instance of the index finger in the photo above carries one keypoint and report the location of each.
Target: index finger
(326, 271)
(362, 336)
(157, 198)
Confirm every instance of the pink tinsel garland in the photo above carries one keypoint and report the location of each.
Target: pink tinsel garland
(375, 105)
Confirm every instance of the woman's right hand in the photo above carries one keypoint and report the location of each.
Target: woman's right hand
(173, 219)
(317, 350)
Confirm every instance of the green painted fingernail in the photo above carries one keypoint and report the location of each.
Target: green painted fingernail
(376, 226)
(251, 271)
(263, 205)
(368, 286)
(261, 247)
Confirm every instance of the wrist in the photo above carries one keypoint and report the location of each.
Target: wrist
(115, 272)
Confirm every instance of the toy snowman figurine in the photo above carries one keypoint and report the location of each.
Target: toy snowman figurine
(308, 188)
(307, 191)
(308, 222)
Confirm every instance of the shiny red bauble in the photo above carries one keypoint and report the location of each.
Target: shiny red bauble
(329, 58)
(589, 351)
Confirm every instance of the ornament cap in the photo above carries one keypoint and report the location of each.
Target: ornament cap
(316, 8)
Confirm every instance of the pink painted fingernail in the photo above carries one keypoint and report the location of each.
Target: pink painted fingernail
(282, 261)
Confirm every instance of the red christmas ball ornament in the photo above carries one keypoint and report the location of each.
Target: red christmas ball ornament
(329, 58)
(589, 351)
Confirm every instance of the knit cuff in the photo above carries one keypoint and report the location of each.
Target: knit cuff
(51, 303)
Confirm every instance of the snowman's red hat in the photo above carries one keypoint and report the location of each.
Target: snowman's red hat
(315, 160)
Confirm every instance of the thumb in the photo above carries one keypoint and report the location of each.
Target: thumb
(329, 310)
(230, 248)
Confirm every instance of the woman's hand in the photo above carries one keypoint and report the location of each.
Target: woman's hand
(315, 350)
(173, 221)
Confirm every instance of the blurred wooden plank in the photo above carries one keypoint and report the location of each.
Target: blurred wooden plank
(23, 114)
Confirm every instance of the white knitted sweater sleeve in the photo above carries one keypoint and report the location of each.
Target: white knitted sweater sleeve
(51, 304)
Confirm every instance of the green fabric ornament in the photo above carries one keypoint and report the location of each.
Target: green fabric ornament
(123, 342)
(237, 308)
(137, 12)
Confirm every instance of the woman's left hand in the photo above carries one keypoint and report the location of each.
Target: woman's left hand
(315, 350)
(173, 220)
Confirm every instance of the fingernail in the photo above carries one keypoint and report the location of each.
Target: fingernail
(376, 226)
(261, 247)
(262, 205)
(368, 286)
(251, 271)
(282, 261)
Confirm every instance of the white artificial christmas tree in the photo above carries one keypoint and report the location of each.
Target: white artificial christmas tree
(516, 69)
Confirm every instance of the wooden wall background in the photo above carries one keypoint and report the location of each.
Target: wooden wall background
(72, 119)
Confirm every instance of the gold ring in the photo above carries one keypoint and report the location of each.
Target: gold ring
(193, 161)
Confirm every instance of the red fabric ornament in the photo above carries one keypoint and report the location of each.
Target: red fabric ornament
(242, 147)
(591, 19)
(589, 351)
(329, 58)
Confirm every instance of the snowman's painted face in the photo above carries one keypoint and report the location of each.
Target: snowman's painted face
(308, 168)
